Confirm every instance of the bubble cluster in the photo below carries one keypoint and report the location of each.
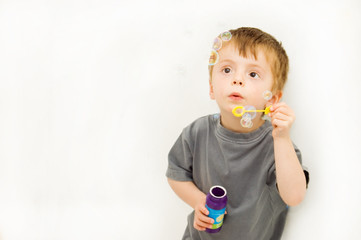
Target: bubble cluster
(248, 113)
(217, 44)
(247, 117)
(267, 95)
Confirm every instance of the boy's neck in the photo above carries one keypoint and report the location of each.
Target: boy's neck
(232, 123)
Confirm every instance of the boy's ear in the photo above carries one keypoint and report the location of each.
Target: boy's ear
(276, 98)
(211, 93)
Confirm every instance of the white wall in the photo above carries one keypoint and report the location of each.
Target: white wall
(94, 93)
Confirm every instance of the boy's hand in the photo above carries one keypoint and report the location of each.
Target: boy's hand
(201, 221)
(282, 118)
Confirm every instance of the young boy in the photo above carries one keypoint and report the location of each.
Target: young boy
(257, 164)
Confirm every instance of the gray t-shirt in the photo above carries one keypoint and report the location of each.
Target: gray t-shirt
(209, 154)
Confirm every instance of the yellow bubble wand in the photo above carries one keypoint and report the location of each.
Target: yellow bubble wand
(236, 112)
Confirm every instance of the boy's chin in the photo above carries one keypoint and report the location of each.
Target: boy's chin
(227, 111)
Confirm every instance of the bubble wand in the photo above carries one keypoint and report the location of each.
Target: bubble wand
(236, 112)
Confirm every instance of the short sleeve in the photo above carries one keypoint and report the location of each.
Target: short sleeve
(305, 169)
(180, 160)
(272, 171)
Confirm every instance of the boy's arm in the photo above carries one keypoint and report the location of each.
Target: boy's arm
(188, 192)
(195, 198)
(291, 180)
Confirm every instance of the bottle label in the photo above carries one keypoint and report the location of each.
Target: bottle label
(217, 216)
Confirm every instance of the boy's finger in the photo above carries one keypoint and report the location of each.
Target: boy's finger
(204, 210)
(204, 225)
(203, 221)
(199, 228)
(277, 105)
(280, 116)
(206, 219)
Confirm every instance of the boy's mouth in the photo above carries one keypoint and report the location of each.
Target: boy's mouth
(236, 96)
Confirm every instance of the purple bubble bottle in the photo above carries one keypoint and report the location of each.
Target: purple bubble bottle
(216, 202)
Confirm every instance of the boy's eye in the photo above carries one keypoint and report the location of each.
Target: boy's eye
(254, 75)
(227, 70)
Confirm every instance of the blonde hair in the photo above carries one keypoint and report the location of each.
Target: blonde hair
(248, 40)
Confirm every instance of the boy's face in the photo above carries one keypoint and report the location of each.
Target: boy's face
(239, 81)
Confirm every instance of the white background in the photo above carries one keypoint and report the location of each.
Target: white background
(94, 93)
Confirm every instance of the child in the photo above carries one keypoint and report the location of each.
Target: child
(256, 163)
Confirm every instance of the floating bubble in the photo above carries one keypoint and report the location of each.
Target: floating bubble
(266, 118)
(247, 117)
(226, 36)
(246, 122)
(267, 95)
(213, 59)
(217, 44)
(216, 116)
(251, 114)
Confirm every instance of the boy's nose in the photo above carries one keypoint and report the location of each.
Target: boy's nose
(240, 83)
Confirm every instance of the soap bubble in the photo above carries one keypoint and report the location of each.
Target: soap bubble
(251, 114)
(247, 115)
(250, 124)
(213, 59)
(246, 122)
(217, 44)
(216, 116)
(226, 36)
(267, 95)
